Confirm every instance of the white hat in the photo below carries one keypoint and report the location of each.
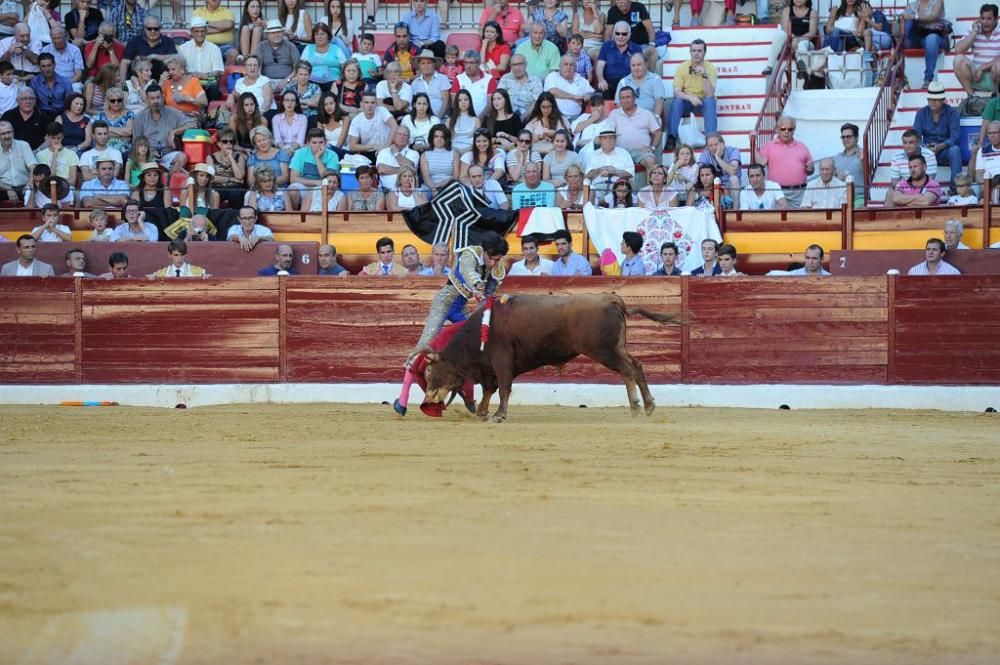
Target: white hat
(274, 25)
(198, 22)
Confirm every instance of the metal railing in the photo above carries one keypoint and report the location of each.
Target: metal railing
(880, 120)
(777, 95)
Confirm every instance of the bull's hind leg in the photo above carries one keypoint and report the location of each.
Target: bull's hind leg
(620, 362)
(483, 411)
(640, 379)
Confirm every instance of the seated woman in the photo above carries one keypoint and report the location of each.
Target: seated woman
(312, 200)
(494, 51)
(96, 89)
(76, 124)
(265, 195)
(501, 120)
(334, 123)
(406, 196)
(266, 154)
(199, 196)
(682, 173)
(562, 157)
(439, 164)
(246, 119)
(253, 81)
(463, 122)
(704, 190)
(289, 126)
(520, 156)
(181, 90)
(230, 168)
(575, 193)
(544, 121)
(308, 92)
(252, 25)
(620, 196)
(138, 83)
(656, 195)
(485, 154)
(419, 121)
(119, 121)
(326, 58)
(367, 197)
(150, 191)
(141, 155)
(351, 88)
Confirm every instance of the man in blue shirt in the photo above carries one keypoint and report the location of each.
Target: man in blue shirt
(939, 127)
(306, 172)
(568, 263)
(425, 28)
(632, 264)
(283, 258)
(613, 63)
(50, 88)
(533, 193)
(668, 254)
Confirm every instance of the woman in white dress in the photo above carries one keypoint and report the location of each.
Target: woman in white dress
(656, 195)
(406, 196)
(419, 121)
(255, 82)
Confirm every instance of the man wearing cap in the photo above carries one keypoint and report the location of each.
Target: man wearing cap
(219, 24)
(611, 163)
(522, 87)
(278, 56)
(425, 28)
(541, 56)
(150, 44)
(204, 59)
(638, 130)
(479, 84)
(939, 129)
(432, 83)
(105, 190)
(569, 88)
(403, 51)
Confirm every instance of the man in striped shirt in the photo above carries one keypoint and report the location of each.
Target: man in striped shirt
(934, 263)
(981, 71)
(899, 168)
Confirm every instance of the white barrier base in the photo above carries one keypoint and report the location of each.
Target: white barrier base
(945, 398)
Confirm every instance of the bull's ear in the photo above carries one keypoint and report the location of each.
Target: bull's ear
(432, 357)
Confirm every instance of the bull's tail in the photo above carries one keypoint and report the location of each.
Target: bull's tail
(656, 316)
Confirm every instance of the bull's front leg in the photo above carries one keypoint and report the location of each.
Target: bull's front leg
(501, 414)
(483, 411)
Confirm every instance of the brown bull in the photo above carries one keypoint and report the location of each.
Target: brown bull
(529, 332)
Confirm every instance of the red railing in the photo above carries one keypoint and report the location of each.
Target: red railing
(877, 128)
(774, 103)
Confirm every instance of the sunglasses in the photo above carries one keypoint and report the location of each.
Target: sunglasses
(621, 34)
(153, 29)
(524, 140)
(229, 141)
(116, 100)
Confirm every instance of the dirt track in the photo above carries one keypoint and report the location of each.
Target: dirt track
(342, 534)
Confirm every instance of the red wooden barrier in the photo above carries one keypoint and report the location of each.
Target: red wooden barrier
(309, 329)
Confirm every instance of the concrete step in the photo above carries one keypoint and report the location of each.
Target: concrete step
(724, 67)
(736, 85)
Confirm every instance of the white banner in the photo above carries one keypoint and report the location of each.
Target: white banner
(685, 227)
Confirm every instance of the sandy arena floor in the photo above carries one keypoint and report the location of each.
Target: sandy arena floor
(342, 534)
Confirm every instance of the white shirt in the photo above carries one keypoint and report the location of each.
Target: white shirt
(92, 156)
(21, 63)
(944, 268)
(519, 268)
(25, 272)
(899, 168)
(766, 201)
(51, 236)
(374, 130)
(259, 231)
(988, 163)
(617, 158)
(419, 129)
(123, 232)
(258, 91)
(494, 193)
(386, 156)
(802, 271)
(204, 59)
(405, 92)
(479, 90)
(578, 86)
(8, 97)
(820, 195)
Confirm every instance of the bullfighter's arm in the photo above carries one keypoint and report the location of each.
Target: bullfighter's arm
(468, 266)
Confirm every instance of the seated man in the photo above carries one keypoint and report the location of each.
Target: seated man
(541, 56)
(532, 192)
(248, 233)
(308, 164)
(899, 169)
(934, 263)
(710, 256)
(813, 263)
(386, 265)
(16, 162)
(531, 264)
(637, 129)
(327, 259)
(105, 191)
(981, 71)
(402, 51)
(489, 188)
(668, 257)
(219, 23)
(59, 160)
(727, 261)
(614, 58)
(761, 194)
(632, 264)
(162, 125)
(118, 264)
(726, 161)
(101, 150)
(394, 157)
(179, 267)
(133, 227)
(694, 92)
(522, 87)
(50, 88)
(569, 88)
(50, 230)
(76, 264)
(68, 57)
(284, 258)
(826, 191)
(953, 230)
(278, 56)
(26, 265)
(411, 261)
(199, 230)
(988, 155)
(938, 126)
(568, 263)
(917, 191)
(204, 59)
(608, 165)
(105, 50)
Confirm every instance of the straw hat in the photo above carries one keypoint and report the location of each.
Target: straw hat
(149, 166)
(205, 168)
(427, 54)
(274, 25)
(935, 90)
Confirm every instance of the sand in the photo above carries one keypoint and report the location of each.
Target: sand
(343, 534)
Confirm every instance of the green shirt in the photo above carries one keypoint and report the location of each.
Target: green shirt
(542, 62)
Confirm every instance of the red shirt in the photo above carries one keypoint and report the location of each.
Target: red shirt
(102, 56)
(786, 162)
(495, 55)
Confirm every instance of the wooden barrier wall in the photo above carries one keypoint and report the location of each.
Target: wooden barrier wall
(311, 329)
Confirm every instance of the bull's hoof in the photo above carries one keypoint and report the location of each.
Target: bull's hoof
(497, 418)
(399, 408)
(472, 406)
(650, 408)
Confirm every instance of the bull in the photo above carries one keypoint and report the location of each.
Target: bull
(529, 332)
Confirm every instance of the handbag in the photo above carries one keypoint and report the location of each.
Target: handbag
(689, 133)
(939, 26)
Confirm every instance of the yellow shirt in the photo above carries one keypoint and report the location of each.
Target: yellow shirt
(692, 84)
(220, 14)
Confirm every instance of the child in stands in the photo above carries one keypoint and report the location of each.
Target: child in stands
(963, 196)
(369, 61)
(453, 65)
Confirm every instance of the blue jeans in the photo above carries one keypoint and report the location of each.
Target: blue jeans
(951, 157)
(680, 107)
(931, 43)
(841, 40)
